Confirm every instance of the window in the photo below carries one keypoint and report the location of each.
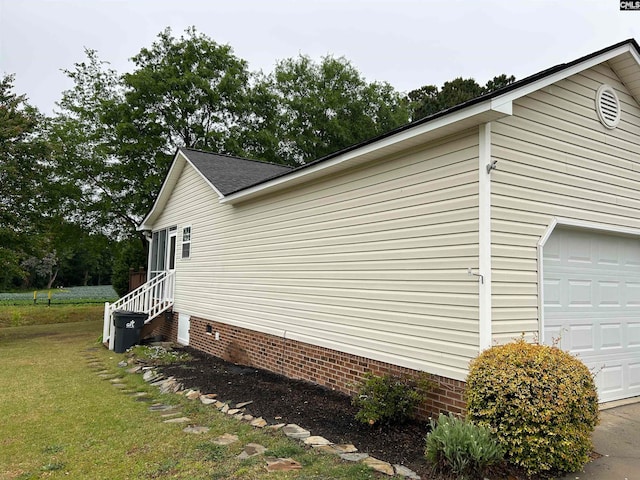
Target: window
(186, 242)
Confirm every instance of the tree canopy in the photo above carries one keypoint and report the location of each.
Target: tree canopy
(429, 99)
(74, 186)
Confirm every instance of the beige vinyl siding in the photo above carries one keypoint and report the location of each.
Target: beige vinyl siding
(556, 159)
(372, 261)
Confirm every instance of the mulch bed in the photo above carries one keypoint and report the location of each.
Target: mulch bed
(324, 412)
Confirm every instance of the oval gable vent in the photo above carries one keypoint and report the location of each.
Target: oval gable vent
(608, 106)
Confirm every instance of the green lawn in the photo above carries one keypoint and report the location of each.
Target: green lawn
(61, 420)
(57, 296)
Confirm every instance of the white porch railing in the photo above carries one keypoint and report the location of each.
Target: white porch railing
(151, 298)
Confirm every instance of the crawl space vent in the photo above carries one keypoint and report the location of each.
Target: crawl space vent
(608, 106)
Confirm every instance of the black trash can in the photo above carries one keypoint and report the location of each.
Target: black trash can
(128, 327)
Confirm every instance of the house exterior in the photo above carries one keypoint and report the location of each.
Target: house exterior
(515, 213)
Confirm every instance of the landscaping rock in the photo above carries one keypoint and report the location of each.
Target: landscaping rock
(282, 464)
(151, 376)
(354, 457)
(159, 407)
(243, 404)
(252, 450)
(336, 449)
(207, 401)
(233, 411)
(192, 395)
(294, 431)
(226, 439)
(122, 364)
(379, 466)
(258, 422)
(196, 430)
(170, 385)
(178, 420)
(225, 408)
(247, 418)
(135, 369)
(345, 448)
(316, 440)
(405, 472)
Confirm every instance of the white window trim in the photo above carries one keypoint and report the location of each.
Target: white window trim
(182, 242)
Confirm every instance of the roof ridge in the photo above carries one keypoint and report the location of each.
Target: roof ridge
(236, 157)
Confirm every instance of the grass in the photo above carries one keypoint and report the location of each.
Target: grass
(24, 315)
(60, 420)
(71, 295)
(76, 304)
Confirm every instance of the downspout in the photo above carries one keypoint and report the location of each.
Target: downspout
(485, 166)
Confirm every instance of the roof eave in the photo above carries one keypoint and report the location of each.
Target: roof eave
(495, 106)
(452, 123)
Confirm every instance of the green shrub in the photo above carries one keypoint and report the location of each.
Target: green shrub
(388, 399)
(540, 401)
(461, 447)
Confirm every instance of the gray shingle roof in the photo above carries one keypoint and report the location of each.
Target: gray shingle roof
(229, 174)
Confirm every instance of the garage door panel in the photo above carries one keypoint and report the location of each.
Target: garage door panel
(633, 294)
(592, 303)
(580, 294)
(609, 293)
(634, 376)
(580, 338)
(611, 335)
(610, 380)
(633, 334)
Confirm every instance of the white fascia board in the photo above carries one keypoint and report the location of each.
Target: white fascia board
(563, 73)
(483, 111)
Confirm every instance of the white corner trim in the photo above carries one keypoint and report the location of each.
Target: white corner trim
(484, 236)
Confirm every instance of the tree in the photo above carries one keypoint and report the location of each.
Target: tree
(428, 100)
(327, 106)
(185, 92)
(116, 135)
(98, 188)
(24, 181)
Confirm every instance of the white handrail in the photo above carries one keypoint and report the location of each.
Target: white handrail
(151, 298)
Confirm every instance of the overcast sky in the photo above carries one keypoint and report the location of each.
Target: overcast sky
(408, 43)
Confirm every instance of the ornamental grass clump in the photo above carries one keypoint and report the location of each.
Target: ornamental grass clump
(540, 402)
(461, 447)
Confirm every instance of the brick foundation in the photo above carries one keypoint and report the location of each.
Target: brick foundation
(330, 368)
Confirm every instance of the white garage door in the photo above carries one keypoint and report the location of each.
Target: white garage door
(592, 303)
